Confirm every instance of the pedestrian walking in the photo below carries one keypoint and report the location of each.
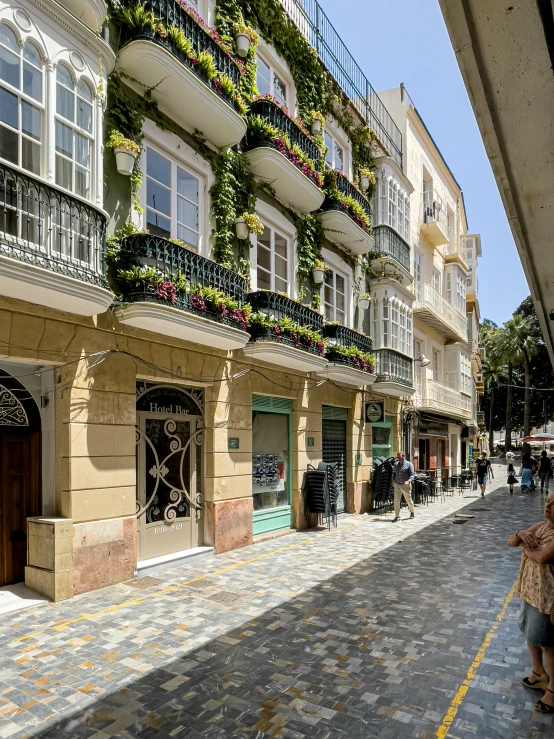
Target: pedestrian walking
(544, 471)
(512, 479)
(536, 590)
(402, 476)
(527, 471)
(484, 468)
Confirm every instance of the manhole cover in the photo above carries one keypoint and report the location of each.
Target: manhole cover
(459, 521)
(202, 582)
(224, 597)
(145, 582)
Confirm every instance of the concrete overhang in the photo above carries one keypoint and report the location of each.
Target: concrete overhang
(503, 54)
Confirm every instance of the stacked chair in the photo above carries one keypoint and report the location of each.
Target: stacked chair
(320, 492)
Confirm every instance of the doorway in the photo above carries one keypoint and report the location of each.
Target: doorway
(423, 455)
(20, 465)
(334, 447)
(169, 469)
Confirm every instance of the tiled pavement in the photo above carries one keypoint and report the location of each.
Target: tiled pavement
(366, 631)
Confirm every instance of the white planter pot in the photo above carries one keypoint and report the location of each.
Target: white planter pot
(243, 44)
(364, 182)
(364, 303)
(241, 229)
(125, 160)
(316, 126)
(318, 275)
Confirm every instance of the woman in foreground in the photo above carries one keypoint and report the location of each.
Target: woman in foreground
(536, 590)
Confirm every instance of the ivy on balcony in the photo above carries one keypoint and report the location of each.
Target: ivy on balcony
(343, 195)
(349, 347)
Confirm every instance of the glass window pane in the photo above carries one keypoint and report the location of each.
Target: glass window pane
(82, 181)
(340, 317)
(279, 90)
(82, 150)
(339, 157)
(265, 238)
(32, 55)
(188, 236)
(32, 82)
(8, 109)
(328, 293)
(329, 152)
(158, 197)
(8, 143)
(158, 225)
(84, 115)
(340, 301)
(64, 172)
(263, 280)
(64, 139)
(187, 214)
(9, 67)
(263, 78)
(280, 285)
(280, 267)
(329, 275)
(65, 103)
(30, 120)
(280, 245)
(339, 283)
(187, 185)
(84, 90)
(158, 167)
(264, 258)
(63, 77)
(7, 37)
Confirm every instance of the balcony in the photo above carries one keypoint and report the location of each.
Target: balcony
(481, 419)
(479, 384)
(390, 245)
(175, 302)
(52, 246)
(350, 355)
(438, 398)
(175, 78)
(431, 307)
(295, 183)
(343, 225)
(296, 346)
(91, 12)
(434, 223)
(394, 373)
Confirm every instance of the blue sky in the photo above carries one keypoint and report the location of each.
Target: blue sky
(397, 41)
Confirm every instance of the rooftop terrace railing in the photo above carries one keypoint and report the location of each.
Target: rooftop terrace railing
(312, 22)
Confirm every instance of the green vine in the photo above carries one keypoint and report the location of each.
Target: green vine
(309, 241)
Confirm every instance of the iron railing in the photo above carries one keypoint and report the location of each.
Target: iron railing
(309, 18)
(388, 241)
(278, 306)
(344, 186)
(171, 12)
(434, 209)
(394, 367)
(277, 117)
(47, 227)
(347, 337)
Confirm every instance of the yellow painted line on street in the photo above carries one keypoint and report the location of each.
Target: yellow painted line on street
(172, 588)
(450, 715)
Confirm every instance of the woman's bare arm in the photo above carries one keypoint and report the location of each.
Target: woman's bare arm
(541, 556)
(516, 539)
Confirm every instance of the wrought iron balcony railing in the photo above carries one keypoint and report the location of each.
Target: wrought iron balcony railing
(309, 18)
(338, 180)
(434, 209)
(388, 241)
(277, 117)
(346, 337)
(394, 367)
(171, 260)
(172, 13)
(49, 228)
(279, 306)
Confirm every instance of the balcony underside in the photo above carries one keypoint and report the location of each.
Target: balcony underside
(181, 93)
(434, 233)
(407, 277)
(431, 316)
(344, 375)
(393, 388)
(442, 409)
(91, 12)
(169, 321)
(285, 356)
(291, 186)
(25, 281)
(343, 231)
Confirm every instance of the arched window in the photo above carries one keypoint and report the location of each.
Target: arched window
(21, 102)
(74, 133)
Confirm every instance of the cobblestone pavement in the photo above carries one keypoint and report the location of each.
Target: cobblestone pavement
(366, 631)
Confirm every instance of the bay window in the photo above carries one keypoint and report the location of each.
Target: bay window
(394, 206)
(392, 324)
(272, 261)
(172, 199)
(21, 102)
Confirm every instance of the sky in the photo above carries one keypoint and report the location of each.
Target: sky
(396, 41)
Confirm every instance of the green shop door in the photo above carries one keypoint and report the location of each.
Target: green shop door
(271, 463)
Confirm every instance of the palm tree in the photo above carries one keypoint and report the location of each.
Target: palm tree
(493, 375)
(516, 345)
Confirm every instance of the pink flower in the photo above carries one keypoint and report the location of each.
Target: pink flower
(320, 346)
(166, 291)
(197, 302)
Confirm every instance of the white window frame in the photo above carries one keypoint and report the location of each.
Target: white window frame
(418, 275)
(278, 67)
(272, 256)
(23, 97)
(436, 368)
(344, 321)
(339, 137)
(338, 265)
(418, 344)
(273, 219)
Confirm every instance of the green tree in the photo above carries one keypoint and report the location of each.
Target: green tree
(493, 375)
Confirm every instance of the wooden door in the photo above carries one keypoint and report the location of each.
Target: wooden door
(19, 499)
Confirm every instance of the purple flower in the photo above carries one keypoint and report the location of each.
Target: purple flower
(197, 302)
(166, 291)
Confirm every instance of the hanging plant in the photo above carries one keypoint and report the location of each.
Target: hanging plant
(244, 37)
